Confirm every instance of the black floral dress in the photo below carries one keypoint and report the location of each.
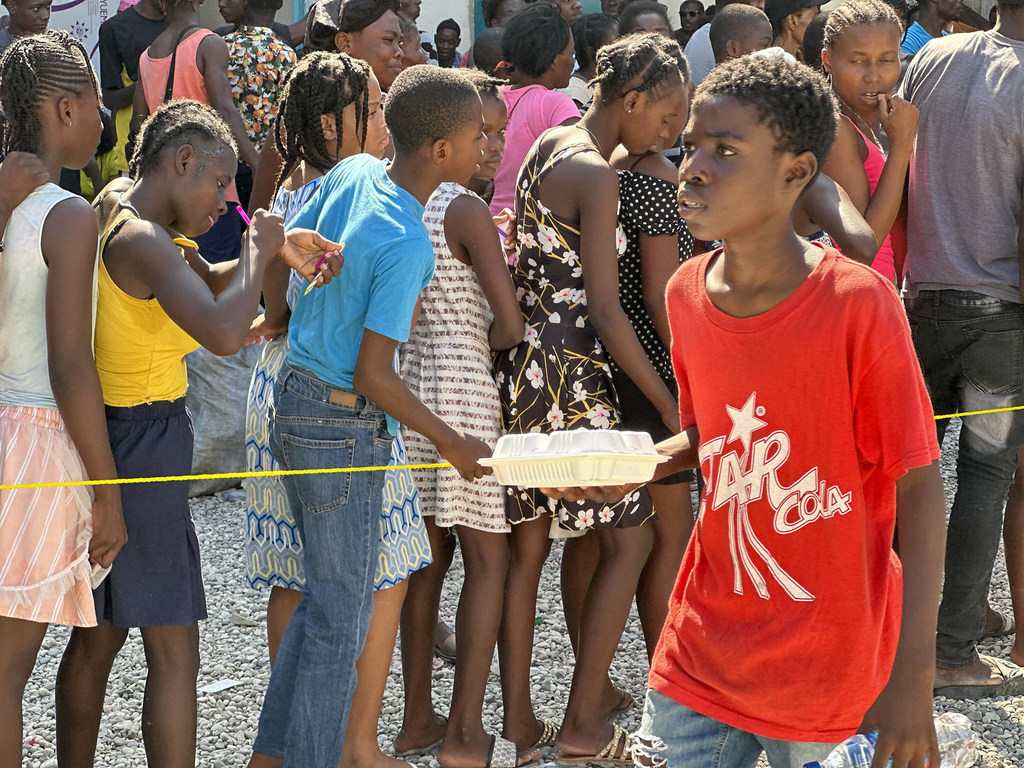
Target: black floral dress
(558, 377)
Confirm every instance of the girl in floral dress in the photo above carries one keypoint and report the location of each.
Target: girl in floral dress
(558, 378)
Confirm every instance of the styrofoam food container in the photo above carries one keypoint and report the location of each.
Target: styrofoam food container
(572, 458)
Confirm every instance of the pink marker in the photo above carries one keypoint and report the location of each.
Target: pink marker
(241, 212)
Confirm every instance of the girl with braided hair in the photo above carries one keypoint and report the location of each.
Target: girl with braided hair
(567, 200)
(51, 409)
(330, 109)
(158, 300)
(861, 57)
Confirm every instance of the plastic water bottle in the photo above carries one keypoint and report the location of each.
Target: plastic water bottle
(956, 745)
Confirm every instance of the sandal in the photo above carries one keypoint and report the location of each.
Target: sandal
(548, 735)
(618, 751)
(505, 754)
(1011, 683)
(1005, 626)
(444, 641)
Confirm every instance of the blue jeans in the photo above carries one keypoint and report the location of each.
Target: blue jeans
(305, 712)
(674, 736)
(971, 349)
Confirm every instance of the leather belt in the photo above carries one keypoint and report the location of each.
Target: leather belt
(343, 397)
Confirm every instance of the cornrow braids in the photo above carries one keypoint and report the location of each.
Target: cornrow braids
(639, 62)
(485, 84)
(789, 98)
(176, 123)
(858, 13)
(33, 69)
(589, 33)
(320, 84)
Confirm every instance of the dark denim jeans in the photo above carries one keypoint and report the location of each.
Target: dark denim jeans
(971, 349)
(305, 712)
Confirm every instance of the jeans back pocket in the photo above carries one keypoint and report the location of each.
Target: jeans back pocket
(321, 492)
(992, 361)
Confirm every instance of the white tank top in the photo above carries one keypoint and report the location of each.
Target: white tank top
(24, 376)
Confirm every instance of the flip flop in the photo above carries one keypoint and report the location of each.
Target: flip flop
(618, 751)
(444, 641)
(1012, 683)
(502, 754)
(548, 735)
(1006, 626)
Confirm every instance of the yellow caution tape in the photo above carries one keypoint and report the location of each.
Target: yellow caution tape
(330, 471)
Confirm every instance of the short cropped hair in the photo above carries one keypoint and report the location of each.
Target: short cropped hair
(425, 104)
(589, 33)
(814, 39)
(449, 24)
(487, 49)
(791, 99)
(730, 23)
(633, 11)
(534, 37)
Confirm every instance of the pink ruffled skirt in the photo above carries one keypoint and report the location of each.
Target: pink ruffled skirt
(44, 532)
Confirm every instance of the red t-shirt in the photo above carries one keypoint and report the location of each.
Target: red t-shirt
(786, 613)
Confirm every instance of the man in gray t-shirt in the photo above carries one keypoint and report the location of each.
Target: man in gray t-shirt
(966, 309)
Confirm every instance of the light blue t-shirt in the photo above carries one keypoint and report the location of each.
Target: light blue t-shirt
(388, 261)
(915, 39)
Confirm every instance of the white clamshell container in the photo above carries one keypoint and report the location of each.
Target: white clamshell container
(572, 458)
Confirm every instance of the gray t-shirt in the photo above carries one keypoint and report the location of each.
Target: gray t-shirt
(967, 170)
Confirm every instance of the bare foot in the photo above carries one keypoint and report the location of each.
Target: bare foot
(421, 740)
(523, 734)
(372, 758)
(988, 676)
(476, 751)
(1017, 654)
(978, 673)
(615, 700)
(589, 742)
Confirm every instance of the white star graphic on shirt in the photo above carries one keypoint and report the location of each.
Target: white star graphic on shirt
(744, 422)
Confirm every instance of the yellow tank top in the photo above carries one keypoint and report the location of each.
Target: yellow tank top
(140, 351)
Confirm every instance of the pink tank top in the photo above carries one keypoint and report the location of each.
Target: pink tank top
(885, 261)
(188, 80)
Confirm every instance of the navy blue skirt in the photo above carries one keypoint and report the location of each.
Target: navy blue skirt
(156, 579)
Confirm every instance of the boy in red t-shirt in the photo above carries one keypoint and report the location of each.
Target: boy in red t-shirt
(809, 419)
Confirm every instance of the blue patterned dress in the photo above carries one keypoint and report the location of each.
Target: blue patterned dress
(273, 548)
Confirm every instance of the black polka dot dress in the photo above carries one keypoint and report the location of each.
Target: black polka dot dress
(647, 205)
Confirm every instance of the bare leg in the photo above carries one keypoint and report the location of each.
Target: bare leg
(671, 534)
(169, 710)
(421, 725)
(361, 748)
(280, 607)
(624, 551)
(81, 687)
(1013, 544)
(486, 557)
(530, 546)
(579, 561)
(20, 641)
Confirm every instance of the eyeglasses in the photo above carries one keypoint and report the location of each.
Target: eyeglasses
(691, 13)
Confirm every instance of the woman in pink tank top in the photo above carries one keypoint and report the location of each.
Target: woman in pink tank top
(200, 73)
(873, 144)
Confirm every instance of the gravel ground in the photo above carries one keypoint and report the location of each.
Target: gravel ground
(234, 648)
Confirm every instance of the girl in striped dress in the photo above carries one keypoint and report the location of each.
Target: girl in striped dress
(52, 426)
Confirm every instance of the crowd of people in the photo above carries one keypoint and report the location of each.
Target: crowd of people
(774, 275)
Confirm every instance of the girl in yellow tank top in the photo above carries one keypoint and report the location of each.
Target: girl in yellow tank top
(158, 299)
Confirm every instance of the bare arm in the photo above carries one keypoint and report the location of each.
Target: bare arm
(659, 254)
(829, 206)
(902, 714)
(846, 168)
(265, 177)
(140, 110)
(213, 62)
(20, 174)
(119, 98)
(375, 378)
(597, 204)
(69, 248)
(473, 239)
